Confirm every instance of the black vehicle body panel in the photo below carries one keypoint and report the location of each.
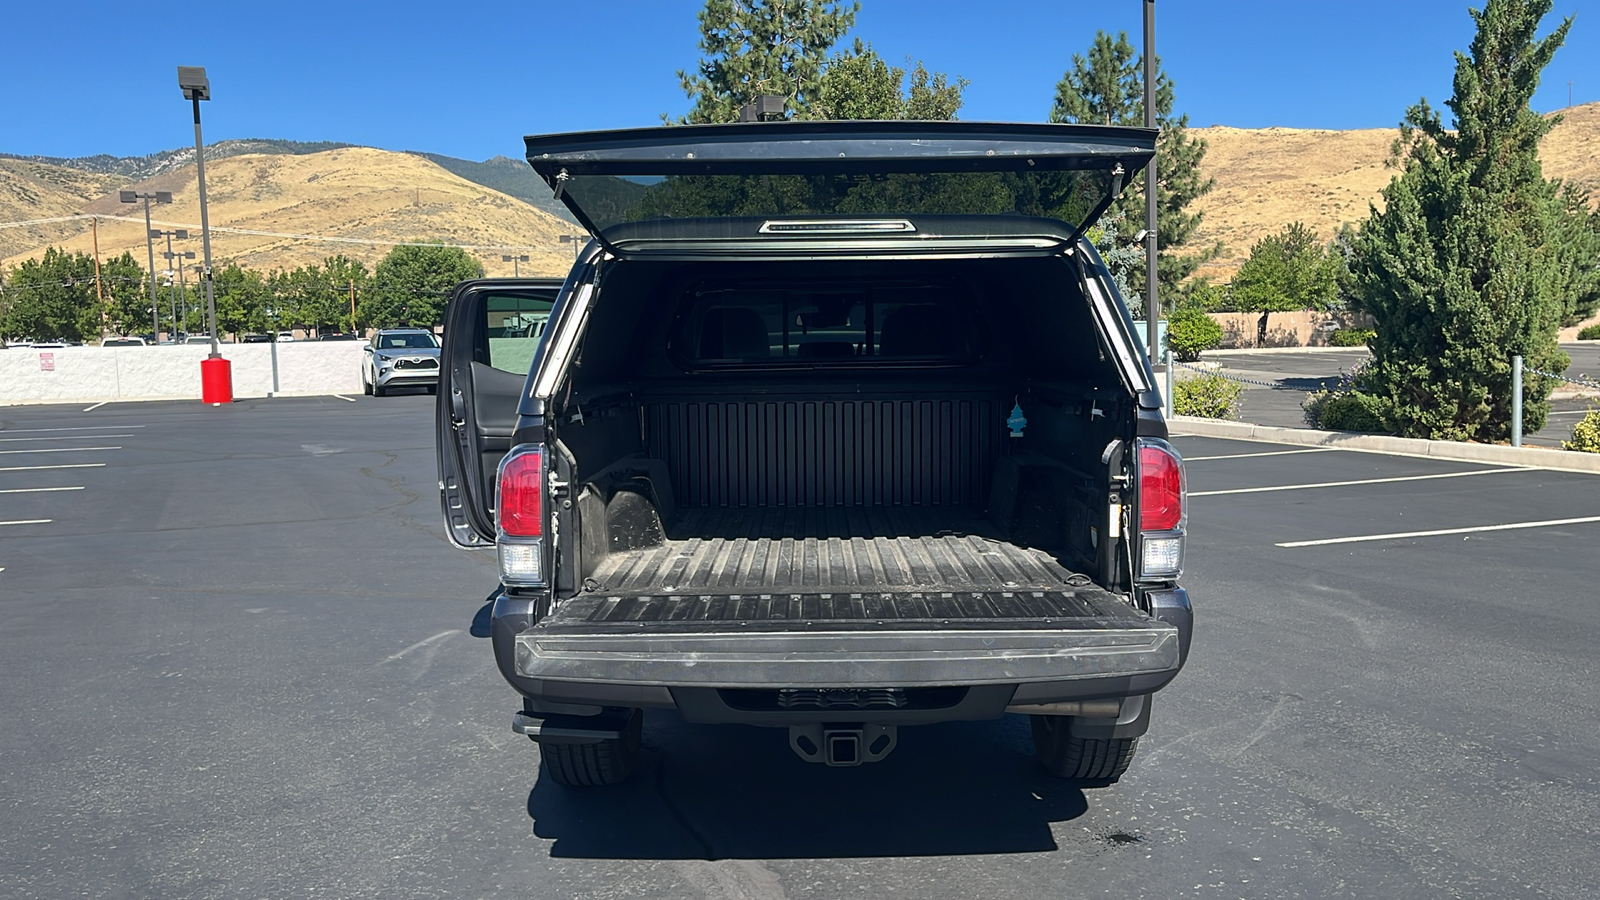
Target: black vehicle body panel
(617, 627)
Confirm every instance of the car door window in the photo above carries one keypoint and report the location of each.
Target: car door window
(513, 324)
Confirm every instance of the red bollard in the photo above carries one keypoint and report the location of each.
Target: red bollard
(216, 380)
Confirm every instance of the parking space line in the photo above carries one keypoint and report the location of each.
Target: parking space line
(37, 490)
(63, 466)
(1415, 534)
(71, 428)
(97, 406)
(61, 450)
(63, 437)
(343, 397)
(1266, 453)
(28, 522)
(1325, 484)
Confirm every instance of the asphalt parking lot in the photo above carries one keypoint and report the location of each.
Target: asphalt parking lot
(239, 658)
(1282, 378)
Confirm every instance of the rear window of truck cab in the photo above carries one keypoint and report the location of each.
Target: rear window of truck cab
(783, 325)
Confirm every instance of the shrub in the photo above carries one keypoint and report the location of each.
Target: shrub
(1353, 411)
(1207, 396)
(1351, 337)
(1591, 333)
(1585, 434)
(1190, 331)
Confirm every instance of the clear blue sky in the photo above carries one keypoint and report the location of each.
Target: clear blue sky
(469, 80)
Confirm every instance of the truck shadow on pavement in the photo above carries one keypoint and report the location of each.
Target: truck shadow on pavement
(738, 792)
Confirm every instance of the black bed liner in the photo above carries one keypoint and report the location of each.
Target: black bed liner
(804, 569)
(875, 549)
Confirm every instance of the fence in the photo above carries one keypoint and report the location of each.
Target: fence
(71, 374)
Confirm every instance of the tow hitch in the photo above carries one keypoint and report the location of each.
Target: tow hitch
(842, 744)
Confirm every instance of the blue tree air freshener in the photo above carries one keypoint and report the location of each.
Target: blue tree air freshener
(1017, 421)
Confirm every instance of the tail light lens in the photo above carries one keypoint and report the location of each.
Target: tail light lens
(1161, 509)
(519, 509)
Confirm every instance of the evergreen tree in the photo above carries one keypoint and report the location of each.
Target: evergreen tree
(755, 47)
(1107, 88)
(1476, 257)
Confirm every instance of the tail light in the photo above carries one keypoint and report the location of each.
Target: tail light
(519, 511)
(1162, 516)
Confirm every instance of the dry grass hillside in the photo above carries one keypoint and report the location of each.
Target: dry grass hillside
(1266, 178)
(1269, 177)
(30, 190)
(355, 193)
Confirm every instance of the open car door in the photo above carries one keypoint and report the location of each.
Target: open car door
(492, 332)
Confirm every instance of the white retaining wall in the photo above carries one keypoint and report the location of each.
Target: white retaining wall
(152, 373)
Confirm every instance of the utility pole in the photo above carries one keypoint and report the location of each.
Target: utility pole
(99, 292)
(150, 249)
(1152, 300)
(99, 289)
(352, 306)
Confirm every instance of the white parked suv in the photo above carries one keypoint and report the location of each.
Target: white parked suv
(400, 357)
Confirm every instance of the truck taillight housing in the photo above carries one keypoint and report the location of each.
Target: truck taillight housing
(1162, 516)
(519, 515)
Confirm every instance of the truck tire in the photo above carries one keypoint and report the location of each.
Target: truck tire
(595, 765)
(1084, 762)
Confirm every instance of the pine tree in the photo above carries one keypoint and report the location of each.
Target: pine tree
(755, 47)
(1107, 88)
(1476, 257)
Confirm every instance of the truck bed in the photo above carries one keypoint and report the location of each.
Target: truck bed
(893, 550)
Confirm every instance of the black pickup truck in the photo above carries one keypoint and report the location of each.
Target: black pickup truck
(834, 427)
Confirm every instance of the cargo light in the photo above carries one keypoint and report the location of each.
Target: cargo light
(1162, 516)
(519, 515)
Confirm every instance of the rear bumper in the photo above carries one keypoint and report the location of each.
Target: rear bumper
(1029, 666)
(847, 659)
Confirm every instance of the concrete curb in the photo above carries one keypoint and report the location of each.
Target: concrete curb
(1241, 351)
(1535, 457)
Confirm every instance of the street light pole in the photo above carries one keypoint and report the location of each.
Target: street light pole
(150, 248)
(1152, 299)
(216, 376)
(515, 272)
(196, 87)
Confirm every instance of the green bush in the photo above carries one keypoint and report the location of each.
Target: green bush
(1351, 337)
(1585, 434)
(1347, 410)
(1591, 333)
(1206, 396)
(1190, 332)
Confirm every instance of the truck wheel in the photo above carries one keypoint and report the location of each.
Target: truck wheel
(595, 765)
(1085, 762)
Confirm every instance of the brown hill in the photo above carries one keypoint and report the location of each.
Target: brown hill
(355, 201)
(1266, 178)
(1269, 177)
(30, 190)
